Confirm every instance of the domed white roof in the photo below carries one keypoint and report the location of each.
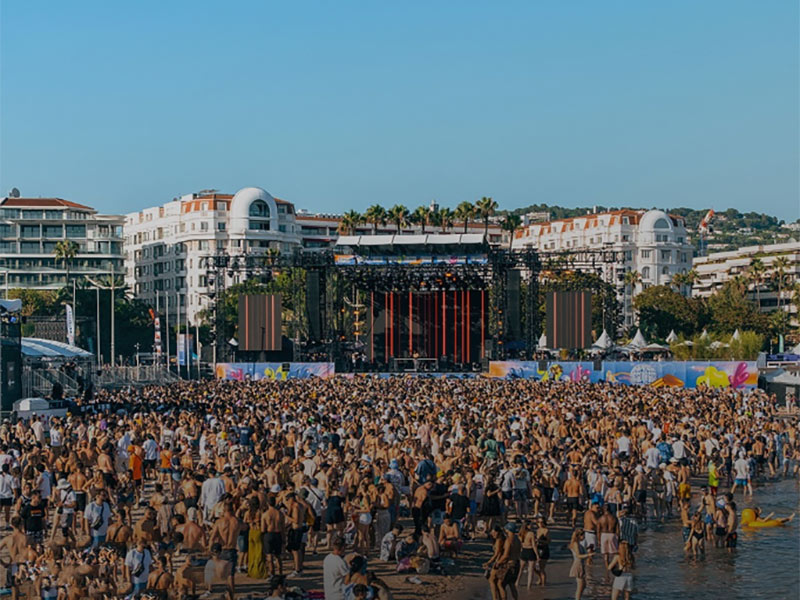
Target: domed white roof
(655, 220)
(240, 208)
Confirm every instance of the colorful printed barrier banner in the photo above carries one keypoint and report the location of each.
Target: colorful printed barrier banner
(735, 374)
(275, 371)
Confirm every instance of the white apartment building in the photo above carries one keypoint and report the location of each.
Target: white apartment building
(652, 243)
(30, 229)
(717, 268)
(165, 245)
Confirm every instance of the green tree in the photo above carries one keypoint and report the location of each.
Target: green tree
(731, 309)
(36, 302)
(398, 215)
(421, 216)
(510, 224)
(465, 212)
(350, 221)
(445, 219)
(662, 309)
(66, 251)
(755, 273)
(485, 208)
(375, 215)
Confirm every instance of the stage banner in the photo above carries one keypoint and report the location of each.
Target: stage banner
(274, 371)
(691, 374)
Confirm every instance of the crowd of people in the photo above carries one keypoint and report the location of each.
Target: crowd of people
(170, 491)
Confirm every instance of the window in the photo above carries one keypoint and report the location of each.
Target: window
(53, 231)
(645, 253)
(10, 213)
(32, 214)
(220, 244)
(76, 231)
(204, 226)
(665, 270)
(666, 255)
(29, 231)
(203, 244)
(661, 224)
(220, 226)
(628, 255)
(662, 238)
(680, 240)
(626, 220)
(29, 248)
(646, 273)
(683, 257)
(53, 215)
(626, 238)
(222, 206)
(259, 208)
(258, 225)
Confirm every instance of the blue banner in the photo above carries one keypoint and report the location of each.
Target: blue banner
(735, 374)
(273, 371)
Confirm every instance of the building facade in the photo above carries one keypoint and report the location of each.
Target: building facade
(166, 246)
(30, 229)
(651, 243)
(714, 270)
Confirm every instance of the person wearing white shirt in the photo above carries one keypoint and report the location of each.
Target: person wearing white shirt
(150, 448)
(137, 567)
(96, 516)
(741, 471)
(6, 491)
(624, 446)
(334, 571)
(212, 491)
(653, 457)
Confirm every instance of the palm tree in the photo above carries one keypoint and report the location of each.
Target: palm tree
(678, 280)
(398, 215)
(445, 218)
(781, 265)
(434, 218)
(465, 211)
(65, 251)
(420, 216)
(485, 208)
(755, 273)
(510, 224)
(375, 215)
(350, 221)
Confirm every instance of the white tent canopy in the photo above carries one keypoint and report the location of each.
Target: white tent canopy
(39, 348)
(736, 335)
(795, 350)
(604, 341)
(11, 306)
(704, 335)
(672, 337)
(638, 341)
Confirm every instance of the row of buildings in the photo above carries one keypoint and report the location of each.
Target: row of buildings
(161, 250)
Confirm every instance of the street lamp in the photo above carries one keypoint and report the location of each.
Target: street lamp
(99, 286)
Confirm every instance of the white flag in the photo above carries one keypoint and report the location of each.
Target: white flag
(70, 326)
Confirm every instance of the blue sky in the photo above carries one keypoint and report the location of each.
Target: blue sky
(122, 105)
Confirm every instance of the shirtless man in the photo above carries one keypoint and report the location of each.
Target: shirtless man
(297, 511)
(160, 581)
(590, 518)
(16, 545)
(608, 528)
(273, 525)
(506, 568)
(421, 506)
(145, 529)
(226, 531)
(572, 489)
(194, 536)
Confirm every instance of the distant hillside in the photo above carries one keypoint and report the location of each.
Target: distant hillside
(732, 229)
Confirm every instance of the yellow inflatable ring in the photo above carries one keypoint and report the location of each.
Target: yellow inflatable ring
(749, 520)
